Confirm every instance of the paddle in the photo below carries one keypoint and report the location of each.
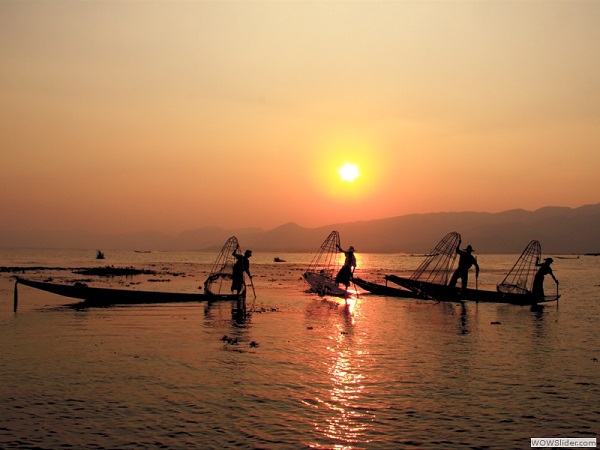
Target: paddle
(352, 278)
(16, 297)
(476, 276)
(253, 291)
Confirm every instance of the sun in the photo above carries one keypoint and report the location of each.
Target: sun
(349, 172)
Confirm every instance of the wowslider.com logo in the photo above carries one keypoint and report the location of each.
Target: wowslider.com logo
(563, 442)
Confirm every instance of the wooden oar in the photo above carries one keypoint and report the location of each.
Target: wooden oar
(477, 277)
(253, 291)
(352, 278)
(16, 297)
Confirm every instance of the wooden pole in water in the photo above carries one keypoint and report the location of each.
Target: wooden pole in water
(16, 297)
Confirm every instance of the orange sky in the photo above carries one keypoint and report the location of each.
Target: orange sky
(168, 116)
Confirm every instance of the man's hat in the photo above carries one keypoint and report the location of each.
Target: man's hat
(351, 249)
(470, 249)
(248, 252)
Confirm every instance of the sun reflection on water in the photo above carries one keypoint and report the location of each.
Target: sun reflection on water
(345, 418)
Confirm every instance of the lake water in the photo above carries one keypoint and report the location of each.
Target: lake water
(375, 373)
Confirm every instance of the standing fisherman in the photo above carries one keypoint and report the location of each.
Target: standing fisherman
(347, 271)
(538, 281)
(242, 264)
(464, 264)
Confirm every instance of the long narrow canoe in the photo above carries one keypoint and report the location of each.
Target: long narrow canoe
(430, 280)
(384, 290)
(445, 293)
(94, 296)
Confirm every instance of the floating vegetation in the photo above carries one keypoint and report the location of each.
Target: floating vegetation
(108, 271)
(111, 271)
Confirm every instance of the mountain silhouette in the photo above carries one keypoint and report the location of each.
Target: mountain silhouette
(559, 229)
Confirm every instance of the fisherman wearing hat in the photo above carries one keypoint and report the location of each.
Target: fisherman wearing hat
(347, 271)
(465, 262)
(538, 280)
(242, 264)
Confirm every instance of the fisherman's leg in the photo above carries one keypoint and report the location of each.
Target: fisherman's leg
(454, 279)
(338, 277)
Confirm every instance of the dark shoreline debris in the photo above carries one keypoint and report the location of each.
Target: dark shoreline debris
(110, 271)
(107, 271)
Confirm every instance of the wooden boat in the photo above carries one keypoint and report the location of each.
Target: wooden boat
(447, 293)
(321, 272)
(410, 289)
(434, 270)
(216, 287)
(96, 296)
(431, 278)
(384, 290)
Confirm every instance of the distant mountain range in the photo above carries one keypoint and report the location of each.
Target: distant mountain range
(559, 229)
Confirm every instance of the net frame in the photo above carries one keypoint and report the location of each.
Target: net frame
(519, 279)
(439, 264)
(221, 273)
(326, 260)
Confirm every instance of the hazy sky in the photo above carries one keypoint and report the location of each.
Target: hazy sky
(118, 116)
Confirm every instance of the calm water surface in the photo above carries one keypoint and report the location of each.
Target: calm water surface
(376, 373)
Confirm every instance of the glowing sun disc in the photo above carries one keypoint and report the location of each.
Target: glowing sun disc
(349, 172)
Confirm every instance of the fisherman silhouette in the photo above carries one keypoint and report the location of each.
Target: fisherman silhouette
(465, 262)
(242, 264)
(538, 280)
(347, 271)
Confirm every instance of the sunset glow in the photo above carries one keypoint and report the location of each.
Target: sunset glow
(255, 114)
